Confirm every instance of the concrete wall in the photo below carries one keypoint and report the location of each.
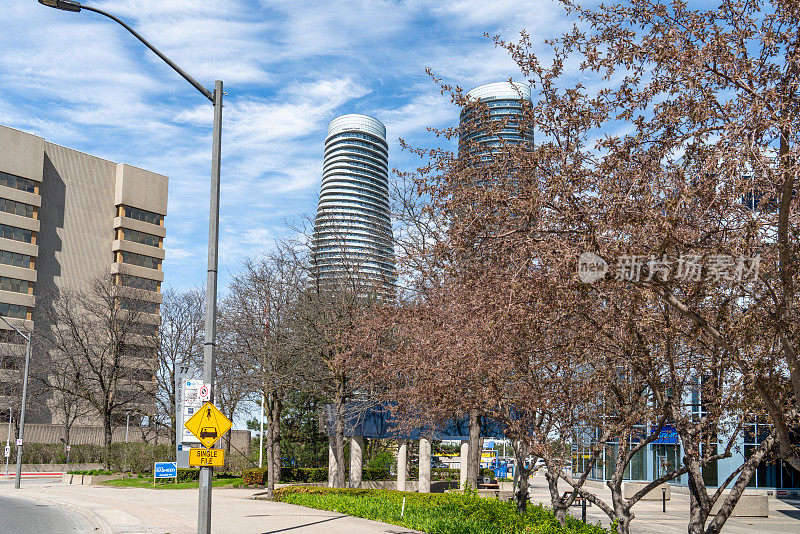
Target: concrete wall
(77, 219)
(21, 153)
(141, 189)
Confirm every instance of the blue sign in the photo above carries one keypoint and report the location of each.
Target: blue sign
(667, 436)
(165, 470)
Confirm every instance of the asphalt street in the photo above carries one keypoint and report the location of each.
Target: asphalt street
(23, 516)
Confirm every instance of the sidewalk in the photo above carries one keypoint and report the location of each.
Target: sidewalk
(784, 515)
(139, 511)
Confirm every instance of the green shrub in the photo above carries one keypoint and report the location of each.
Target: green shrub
(444, 474)
(382, 460)
(187, 475)
(256, 476)
(442, 513)
(91, 472)
(375, 473)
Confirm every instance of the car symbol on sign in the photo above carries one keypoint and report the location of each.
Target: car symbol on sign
(208, 432)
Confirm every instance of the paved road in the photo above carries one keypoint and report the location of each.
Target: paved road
(142, 510)
(22, 516)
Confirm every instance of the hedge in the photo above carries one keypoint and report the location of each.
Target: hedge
(258, 476)
(130, 457)
(320, 474)
(436, 513)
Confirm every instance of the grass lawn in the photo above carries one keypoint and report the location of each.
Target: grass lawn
(169, 484)
(435, 513)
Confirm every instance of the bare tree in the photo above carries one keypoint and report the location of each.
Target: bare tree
(104, 337)
(262, 299)
(180, 343)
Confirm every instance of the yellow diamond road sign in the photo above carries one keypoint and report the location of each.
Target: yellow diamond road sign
(208, 424)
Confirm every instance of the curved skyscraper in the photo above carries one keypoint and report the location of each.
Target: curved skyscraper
(499, 122)
(352, 242)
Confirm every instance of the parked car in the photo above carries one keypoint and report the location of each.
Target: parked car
(437, 463)
(539, 463)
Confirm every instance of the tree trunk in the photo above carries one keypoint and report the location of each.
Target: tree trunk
(173, 423)
(67, 431)
(475, 448)
(107, 435)
(522, 473)
(276, 437)
(338, 448)
(558, 504)
(267, 441)
(622, 511)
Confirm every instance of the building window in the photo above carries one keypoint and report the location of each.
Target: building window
(9, 336)
(17, 234)
(17, 182)
(137, 282)
(17, 260)
(141, 260)
(14, 284)
(13, 310)
(144, 329)
(138, 305)
(17, 208)
(141, 237)
(143, 215)
(8, 361)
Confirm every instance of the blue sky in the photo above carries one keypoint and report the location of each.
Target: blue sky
(289, 67)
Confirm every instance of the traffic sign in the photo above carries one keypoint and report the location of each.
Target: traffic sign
(69, 448)
(8, 451)
(191, 405)
(205, 392)
(208, 425)
(207, 457)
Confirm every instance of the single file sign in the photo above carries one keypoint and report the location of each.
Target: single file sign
(207, 458)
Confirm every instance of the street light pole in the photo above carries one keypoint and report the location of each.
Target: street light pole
(21, 435)
(209, 348)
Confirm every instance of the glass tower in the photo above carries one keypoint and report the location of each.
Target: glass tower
(352, 243)
(497, 121)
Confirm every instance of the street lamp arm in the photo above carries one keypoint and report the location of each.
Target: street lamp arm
(197, 85)
(14, 327)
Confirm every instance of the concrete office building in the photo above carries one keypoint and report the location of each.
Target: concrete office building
(67, 218)
(353, 232)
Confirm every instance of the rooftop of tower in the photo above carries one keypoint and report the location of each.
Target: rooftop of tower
(355, 121)
(498, 90)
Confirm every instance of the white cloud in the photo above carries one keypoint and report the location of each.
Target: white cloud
(289, 67)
